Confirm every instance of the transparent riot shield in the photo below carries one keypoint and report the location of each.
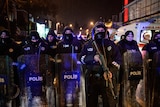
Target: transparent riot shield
(69, 76)
(132, 73)
(147, 80)
(36, 80)
(8, 90)
(155, 78)
(151, 80)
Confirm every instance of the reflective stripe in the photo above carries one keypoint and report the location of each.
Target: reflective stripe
(116, 64)
(82, 59)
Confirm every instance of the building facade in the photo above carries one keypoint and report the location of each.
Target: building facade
(141, 10)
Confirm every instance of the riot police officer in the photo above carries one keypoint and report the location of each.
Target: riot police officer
(128, 43)
(8, 47)
(153, 46)
(151, 53)
(34, 63)
(52, 41)
(95, 73)
(128, 85)
(66, 63)
(35, 45)
(69, 43)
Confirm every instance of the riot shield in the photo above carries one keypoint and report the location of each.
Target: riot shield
(69, 76)
(151, 80)
(8, 90)
(147, 82)
(36, 80)
(155, 78)
(132, 73)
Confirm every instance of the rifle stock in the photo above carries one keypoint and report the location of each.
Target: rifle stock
(105, 69)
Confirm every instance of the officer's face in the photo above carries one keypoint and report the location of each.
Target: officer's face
(3, 35)
(68, 32)
(129, 37)
(50, 38)
(97, 30)
(34, 39)
(68, 36)
(99, 34)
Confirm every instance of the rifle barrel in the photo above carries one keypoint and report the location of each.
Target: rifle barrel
(106, 69)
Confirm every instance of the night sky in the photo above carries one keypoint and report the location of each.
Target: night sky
(84, 11)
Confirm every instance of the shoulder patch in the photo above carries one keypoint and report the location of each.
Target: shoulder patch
(90, 49)
(109, 48)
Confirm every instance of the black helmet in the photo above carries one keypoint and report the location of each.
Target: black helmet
(34, 35)
(68, 37)
(99, 24)
(127, 33)
(51, 32)
(155, 35)
(67, 28)
(155, 38)
(99, 36)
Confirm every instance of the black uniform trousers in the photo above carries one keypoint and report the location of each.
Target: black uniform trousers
(95, 86)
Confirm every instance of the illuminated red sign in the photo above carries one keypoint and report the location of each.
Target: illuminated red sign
(125, 11)
(125, 2)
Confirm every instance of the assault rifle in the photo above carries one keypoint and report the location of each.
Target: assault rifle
(105, 69)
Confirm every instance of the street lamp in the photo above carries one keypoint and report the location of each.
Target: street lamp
(80, 28)
(91, 23)
(70, 25)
